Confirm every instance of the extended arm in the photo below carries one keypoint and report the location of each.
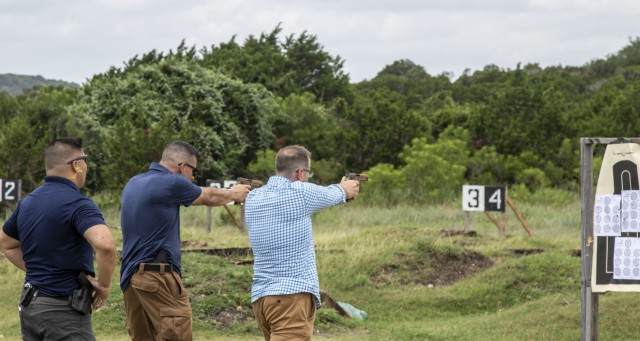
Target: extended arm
(11, 249)
(212, 196)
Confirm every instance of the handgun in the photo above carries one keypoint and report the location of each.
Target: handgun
(251, 182)
(357, 177)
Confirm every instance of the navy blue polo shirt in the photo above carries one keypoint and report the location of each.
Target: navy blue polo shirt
(50, 223)
(150, 218)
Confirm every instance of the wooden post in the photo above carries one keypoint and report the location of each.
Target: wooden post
(235, 221)
(589, 307)
(467, 220)
(208, 218)
(495, 221)
(522, 221)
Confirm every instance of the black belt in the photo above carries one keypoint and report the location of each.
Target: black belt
(155, 267)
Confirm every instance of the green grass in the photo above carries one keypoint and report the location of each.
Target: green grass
(388, 262)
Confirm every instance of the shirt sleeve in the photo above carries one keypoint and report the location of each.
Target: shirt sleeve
(86, 216)
(10, 227)
(319, 197)
(185, 192)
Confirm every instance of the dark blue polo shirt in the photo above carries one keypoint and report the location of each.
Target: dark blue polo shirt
(50, 223)
(150, 218)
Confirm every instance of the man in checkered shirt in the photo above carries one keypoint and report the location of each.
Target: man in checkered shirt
(285, 292)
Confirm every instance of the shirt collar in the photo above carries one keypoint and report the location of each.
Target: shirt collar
(61, 180)
(158, 167)
(278, 180)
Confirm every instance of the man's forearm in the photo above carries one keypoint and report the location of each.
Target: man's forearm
(106, 262)
(212, 196)
(15, 256)
(218, 196)
(10, 247)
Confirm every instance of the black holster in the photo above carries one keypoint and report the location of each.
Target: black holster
(161, 257)
(27, 294)
(83, 297)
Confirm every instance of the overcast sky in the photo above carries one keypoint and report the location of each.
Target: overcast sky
(74, 39)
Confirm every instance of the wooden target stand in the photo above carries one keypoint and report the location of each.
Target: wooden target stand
(619, 172)
(240, 224)
(226, 184)
(487, 199)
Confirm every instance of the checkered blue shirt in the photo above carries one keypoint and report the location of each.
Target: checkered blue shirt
(278, 218)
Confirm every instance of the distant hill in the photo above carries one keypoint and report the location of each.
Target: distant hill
(17, 84)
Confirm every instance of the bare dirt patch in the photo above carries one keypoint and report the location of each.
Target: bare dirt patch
(447, 269)
(434, 267)
(229, 316)
(192, 244)
(453, 233)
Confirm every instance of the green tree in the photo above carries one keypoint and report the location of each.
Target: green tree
(613, 109)
(297, 65)
(526, 115)
(308, 123)
(378, 126)
(31, 122)
(432, 172)
(157, 98)
(409, 80)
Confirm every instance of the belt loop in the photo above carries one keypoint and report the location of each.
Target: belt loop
(141, 268)
(161, 268)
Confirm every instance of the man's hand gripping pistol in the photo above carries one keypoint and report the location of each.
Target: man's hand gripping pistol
(251, 182)
(358, 177)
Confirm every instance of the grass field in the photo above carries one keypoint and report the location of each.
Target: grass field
(414, 282)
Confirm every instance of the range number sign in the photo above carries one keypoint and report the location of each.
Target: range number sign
(483, 198)
(10, 190)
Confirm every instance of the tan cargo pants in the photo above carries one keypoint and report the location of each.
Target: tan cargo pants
(157, 307)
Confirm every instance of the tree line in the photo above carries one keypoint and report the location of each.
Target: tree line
(17, 84)
(419, 136)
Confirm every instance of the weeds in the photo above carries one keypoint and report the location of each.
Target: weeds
(391, 263)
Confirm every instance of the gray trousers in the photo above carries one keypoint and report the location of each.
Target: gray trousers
(47, 319)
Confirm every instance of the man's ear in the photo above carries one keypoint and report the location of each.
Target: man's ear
(77, 169)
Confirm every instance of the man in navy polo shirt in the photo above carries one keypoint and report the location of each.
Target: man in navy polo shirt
(156, 303)
(52, 235)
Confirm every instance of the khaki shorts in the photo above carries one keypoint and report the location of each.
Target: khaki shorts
(286, 317)
(157, 307)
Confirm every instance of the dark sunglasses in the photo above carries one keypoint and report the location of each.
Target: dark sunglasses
(194, 170)
(83, 157)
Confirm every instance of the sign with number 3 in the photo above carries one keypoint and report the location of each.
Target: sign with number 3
(483, 198)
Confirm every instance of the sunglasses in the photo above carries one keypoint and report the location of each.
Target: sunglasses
(194, 170)
(83, 157)
(306, 170)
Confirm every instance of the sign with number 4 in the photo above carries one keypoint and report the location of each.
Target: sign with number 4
(483, 198)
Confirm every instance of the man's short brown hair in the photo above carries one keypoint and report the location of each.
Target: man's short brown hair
(292, 158)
